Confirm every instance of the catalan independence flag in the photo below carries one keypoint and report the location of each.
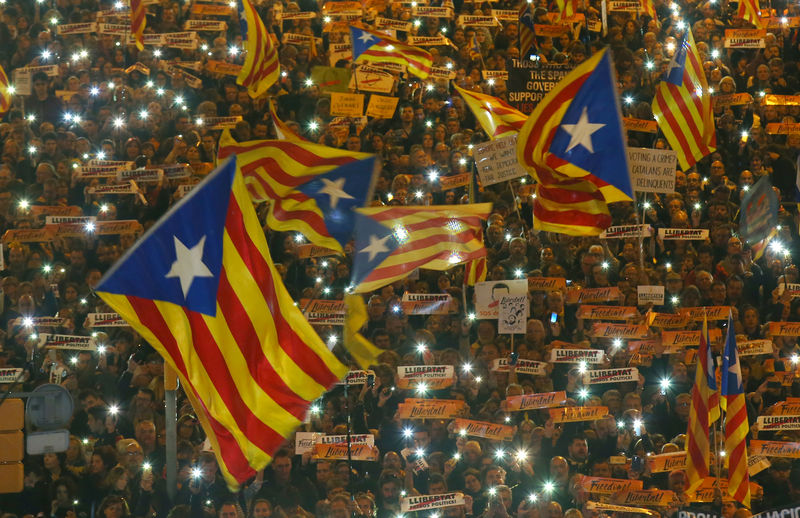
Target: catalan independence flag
(311, 188)
(497, 117)
(261, 68)
(682, 106)
(374, 47)
(390, 242)
(201, 288)
(750, 11)
(138, 22)
(566, 9)
(574, 146)
(736, 426)
(282, 129)
(527, 30)
(703, 412)
(6, 91)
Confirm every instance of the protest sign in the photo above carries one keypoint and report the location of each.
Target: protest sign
(426, 502)
(496, 160)
(650, 295)
(574, 414)
(531, 367)
(488, 295)
(594, 377)
(626, 232)
(493, 431)
(624, 331)
(759, 211)
(590, 312)
(10, 374)
(529, 81)
(347, 105)
(342, 452)
(683, 234)
(380, 106)
(357, 377)
(577, 355)
(534, 401)
(413, 408)
(592, 295)
(513, 314)
(609, 486)
(652, 170)
(74, 342)
(775, 449)
(105, 320)
(744, 38)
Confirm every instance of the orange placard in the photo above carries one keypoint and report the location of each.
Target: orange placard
(610, 486)
(574, 414)
(590, 312)
(775, 449)
(666, 462)
(591, 295)
(710, 312)
(413, 408)
(339, 451)
(547, 283)
(649, 497)
(732, 99)
(666, 320)
(28, 235)
(644, 125)
(623, 331)
(492, 431)
(784, 328)
(535, 401)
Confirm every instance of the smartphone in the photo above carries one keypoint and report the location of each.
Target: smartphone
(370, 380)
(553, 318)
(637, 464)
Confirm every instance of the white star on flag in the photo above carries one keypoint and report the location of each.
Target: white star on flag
(581, 133)
(365, 37)
(188, 264)
(736, 371)
(335, 190)
(376, 246)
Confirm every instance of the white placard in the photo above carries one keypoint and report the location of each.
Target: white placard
(496, 160)
(626, 231)
(513, 315)
(684, 234)
(488, 295)
(427, 502)
(594, 377)
(577, 355)
(650, 295)
(768, 423)
(652, 170)
(10, 375)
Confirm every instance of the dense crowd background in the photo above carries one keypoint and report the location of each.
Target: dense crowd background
(115, 462)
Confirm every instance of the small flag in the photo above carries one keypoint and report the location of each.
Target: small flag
(6, 91)
(750, 11)
(736, 426)
(497, 117)
(261, 68)
(138, 22)
(527, 31)
(475, 50)
(374, 47)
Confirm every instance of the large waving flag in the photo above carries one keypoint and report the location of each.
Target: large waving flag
(527, 30)
(393, 241)
(312, 189)
(682, 106)
(736, 426)
(201, 288)
(497, 117)
(750, 11)
(138, 22)
(703, 412)
(261, 68)
(6, 91)
(574, 146)
(375, 47)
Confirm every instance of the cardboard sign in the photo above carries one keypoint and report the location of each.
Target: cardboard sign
(387, 23)
(552, 31)
(789, 450)
(652, 170)
(364, 438)
(76, 28)
(340, 452)
(426, 502)
(615, 508)
(784, 328)
(211, 9)
(650, 497)
(488, 295)
(141, 175)
(451, 182)
(780, 422)
(609, 486)
(666, 320)
(713, 313)
(758, 211)
(466, 20)
(627, 231)
(745, 38)
(496, 160)
(492, 431)
(592, 295)
(121, 226)
(666, 462)
(754, 347)
(358, 377)
(547, 283)
(347, 105)
(105, 320)
(783, 128)
(495, 74)
(372, 79)
(427, 11)
(381, 107)
(39, 322)
(507, 15)
(624, 331)
(413, 408)
(427, 304)
(207, 25)
(577, 355)
(732, 99)
(443, 73)
(311, 250)
(304, 442)
(28, 235)
(756, 464)
(628, 6)
(433, 377)
(681, 339)
(54, 210)
(223, 67)
(10, 375)
(125, 188)
(532, 367)
(598, 376)
(512, 316)
(643, 125)
(534, 401)
(323, 312)
(74, 342)
(650, 295)
(590, 312)
(683, 234)
(216, 123)
(574, 414)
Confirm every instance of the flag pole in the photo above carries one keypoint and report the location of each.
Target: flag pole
(171, 421)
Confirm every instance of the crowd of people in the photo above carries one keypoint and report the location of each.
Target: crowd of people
(98, 105)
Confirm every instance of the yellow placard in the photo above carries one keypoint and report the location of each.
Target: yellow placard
(381, 106)
(493, 431)
(535, 401)
(573, 414)
(347, 105)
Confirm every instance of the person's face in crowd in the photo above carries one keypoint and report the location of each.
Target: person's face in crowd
(682, 404)
(422, 439)
(601, 469)
(495, 477)
(390, 491)
(578, 449)
(559, 469)
(762, 73)
(262, 509)
(40, 88)
(407, 114)
(229, 511)
(146, 435)
(132, 457)
(282, 466)
(97, 466)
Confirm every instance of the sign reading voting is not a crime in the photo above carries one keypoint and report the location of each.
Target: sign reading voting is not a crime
(497, 160)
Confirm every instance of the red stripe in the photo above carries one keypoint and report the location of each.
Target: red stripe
(674, 127)
(292, 344)
(299, 153)
(391, 271)
(571, 217)
(567, 93)
(252, 27)
(387, 56)
(565, 196)
(277, 172)
(392, 213)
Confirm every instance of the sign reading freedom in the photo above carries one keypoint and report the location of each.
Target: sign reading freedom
(529, 81)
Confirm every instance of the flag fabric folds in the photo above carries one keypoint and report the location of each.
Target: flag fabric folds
(497, 117)
(573, 144)
(261, 68)
(527, 31)
(475, 271)
(475, 50)
(311, 188)
(649, 8)
(375, 47)
(390, 242)
(750, 11)
(704, 410)
(138, 22)
(5, 93)
(283, 131)
(736, 426)
(362, 350)
(682, 106)
(201, 288)
(566, 9)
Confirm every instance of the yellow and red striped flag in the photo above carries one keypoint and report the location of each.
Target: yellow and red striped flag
(750, 11)
(566, 9)
(682, 106)
(390, 242)
(497, 117)
(703, 412)
(375, 47)
(475, 271)
(574, 147)
(300, 181)
(527, 30)
(649, 8)
(736, 426)
(201, 288)
(138, 22)
(261, 68)
(283, 131)
(6, 91)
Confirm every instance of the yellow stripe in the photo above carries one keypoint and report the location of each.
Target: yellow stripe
(571, 230)
(438, 248)
(291, 313)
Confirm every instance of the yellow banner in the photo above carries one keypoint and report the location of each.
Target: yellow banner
(649, 497)
(547, 283)
(784, 328)
(642, 125)
(610, 486)
(535, 401)
(623, 331)
(492, 431)
(666, 320)
(574, 414)
(712, 312)
(591, 295)
(666, 462)
(223, 67)
(339, 452)
(732, 99)
(347, 105)
(590, 312)
(381, 106)
(28, 235)
(413, 408)
(789, 450)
